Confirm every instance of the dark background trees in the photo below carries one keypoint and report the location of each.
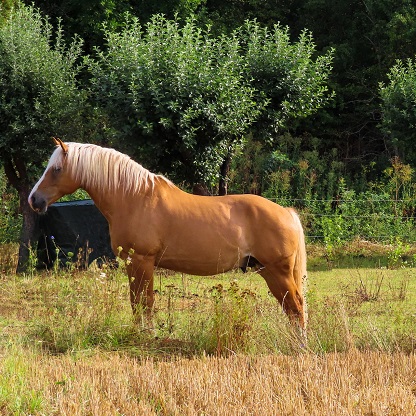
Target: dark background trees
(367, 36)
(273, 127)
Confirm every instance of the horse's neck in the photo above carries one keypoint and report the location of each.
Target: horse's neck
(111, 201)
(103, 201)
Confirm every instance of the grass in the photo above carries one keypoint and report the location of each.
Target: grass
(221, 345)
(351, 383)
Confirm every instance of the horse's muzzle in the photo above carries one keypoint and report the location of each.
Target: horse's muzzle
(38, 203)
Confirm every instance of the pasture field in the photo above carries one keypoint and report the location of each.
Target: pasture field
(220, 345)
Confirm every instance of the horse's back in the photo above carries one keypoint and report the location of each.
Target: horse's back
(237, 224)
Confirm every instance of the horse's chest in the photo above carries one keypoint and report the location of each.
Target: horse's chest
(143, 240)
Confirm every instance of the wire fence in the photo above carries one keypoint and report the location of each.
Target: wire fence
(339, 220)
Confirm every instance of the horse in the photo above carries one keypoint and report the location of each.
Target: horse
(153, 223)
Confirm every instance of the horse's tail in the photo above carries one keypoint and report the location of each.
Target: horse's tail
(299, 271)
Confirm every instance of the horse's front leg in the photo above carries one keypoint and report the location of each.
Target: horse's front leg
(140, 271)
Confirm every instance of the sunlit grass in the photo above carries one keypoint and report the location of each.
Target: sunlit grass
(231, 313)
(69, 344)
(106, 383)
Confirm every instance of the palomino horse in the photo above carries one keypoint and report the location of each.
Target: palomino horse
(154, 223)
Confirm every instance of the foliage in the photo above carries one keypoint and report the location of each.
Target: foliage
(85, 19)
(89, 17)
(333, 208)
(367, 37)
(6, 8)
(184, 99)
(399, 108)
(286, 74)
(168, 108)
(39, 98)
(285, 171)
(174, 95)
(39, 95)
(10, 221)
(226, 16)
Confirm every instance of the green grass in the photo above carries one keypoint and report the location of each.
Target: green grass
(16, 395)
(371, 308)
(365, 306)
(79, 312)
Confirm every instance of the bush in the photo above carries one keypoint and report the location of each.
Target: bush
(10, 220)
(332, 210)
(399, 110)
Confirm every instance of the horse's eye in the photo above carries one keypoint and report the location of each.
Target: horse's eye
(56, 169)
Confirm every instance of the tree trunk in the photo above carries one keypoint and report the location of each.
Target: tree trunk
(224, 171)
(29, 234)
(16, 173)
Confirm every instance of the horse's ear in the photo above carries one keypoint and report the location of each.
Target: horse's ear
(59, 142)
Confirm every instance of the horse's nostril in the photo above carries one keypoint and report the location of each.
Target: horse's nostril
(38, 203)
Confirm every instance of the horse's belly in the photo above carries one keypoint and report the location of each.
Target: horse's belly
(201, 264)
(197, 269)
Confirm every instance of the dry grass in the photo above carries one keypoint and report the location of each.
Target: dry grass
(353, 383)
(68, 346)
(8, 258)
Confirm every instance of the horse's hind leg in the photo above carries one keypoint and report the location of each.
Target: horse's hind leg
(280, 280)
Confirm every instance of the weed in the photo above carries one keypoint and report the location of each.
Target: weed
(8, 258)
(32, 262)
(397, 254)
(369, 292)
(330, 327)
(233, 318)
(333, 233)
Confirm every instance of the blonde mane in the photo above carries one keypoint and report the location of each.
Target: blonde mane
(104, 168)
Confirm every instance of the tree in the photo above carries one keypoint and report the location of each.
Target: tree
(175, 96)
(184, 100)
(368, 37)
(39, 97)
(287, 73)
(399, 109)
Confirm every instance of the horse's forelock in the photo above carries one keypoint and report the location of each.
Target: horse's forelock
(57, 158)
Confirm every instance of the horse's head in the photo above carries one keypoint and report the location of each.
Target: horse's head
(55, 182)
